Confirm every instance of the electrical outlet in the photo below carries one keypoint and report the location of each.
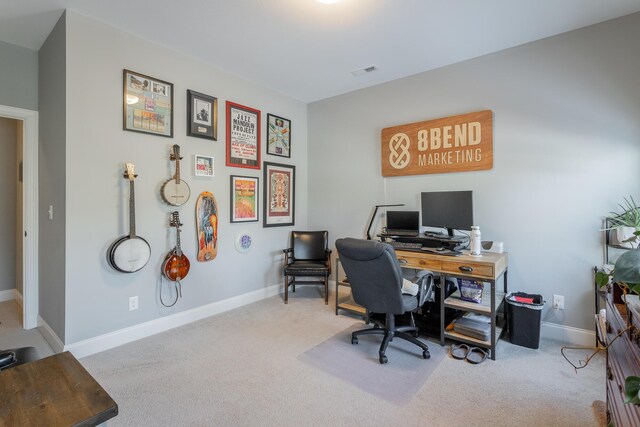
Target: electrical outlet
(558, 302)
(133, 303)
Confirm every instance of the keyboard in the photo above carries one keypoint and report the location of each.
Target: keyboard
(405, 245)
(402, 233)
(417, 247)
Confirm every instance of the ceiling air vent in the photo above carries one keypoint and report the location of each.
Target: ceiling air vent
(365, 70)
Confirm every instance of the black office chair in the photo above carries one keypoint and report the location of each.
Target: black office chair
(375, 277)
(17, 356)
(308, 256)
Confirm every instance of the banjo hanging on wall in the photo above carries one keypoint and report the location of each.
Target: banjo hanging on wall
(175, 191)
(129, 253)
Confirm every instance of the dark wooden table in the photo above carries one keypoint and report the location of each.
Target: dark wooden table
(54, 391)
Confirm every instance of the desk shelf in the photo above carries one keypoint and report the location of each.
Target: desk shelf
(484, 307)
(450, 333)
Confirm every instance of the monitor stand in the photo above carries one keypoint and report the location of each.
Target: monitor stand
(447, 241)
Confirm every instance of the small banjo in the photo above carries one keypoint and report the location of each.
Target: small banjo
(129, 253)
(175, 191)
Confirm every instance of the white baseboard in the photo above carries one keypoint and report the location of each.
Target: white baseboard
(54, 341)
(8, 295)
(567, 334)
(123, 336)
(18, 297)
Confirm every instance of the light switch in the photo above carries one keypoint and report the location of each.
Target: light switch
(50, 212)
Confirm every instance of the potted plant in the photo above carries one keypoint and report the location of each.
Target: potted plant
(624, 226)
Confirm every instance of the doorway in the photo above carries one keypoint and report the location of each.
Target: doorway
(26, 265)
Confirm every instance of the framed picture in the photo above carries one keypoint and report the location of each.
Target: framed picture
(244, 198)
(202, 115)
(147, 104)
(243, 136)
(279, 194)
(203, 165)
(278, 136)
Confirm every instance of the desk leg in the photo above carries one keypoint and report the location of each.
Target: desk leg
(337, 268)
(442, 320)
(493, 320)
(505, 311)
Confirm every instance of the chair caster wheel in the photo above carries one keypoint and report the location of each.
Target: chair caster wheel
(354, 340)
(426, 355)
(383, 360)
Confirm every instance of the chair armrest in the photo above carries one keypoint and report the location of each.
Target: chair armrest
(425, 288)
(327, 259)
(288, 256)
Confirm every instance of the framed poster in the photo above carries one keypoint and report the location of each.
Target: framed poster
(203, 165)
(202, 115)
(244, 198)
(279, 194)
(147, 104)
(243, 136)
(278, 136)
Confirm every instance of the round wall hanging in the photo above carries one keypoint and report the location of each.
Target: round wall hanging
(243, 242)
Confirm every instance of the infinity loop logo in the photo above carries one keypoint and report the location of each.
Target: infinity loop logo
(399, 156)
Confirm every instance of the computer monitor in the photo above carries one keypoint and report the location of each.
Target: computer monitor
(403, 221)
(447, 209)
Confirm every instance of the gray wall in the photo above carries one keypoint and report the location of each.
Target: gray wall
(51, 170)
(567, 150)
(97, 194)
(8, 142)
(18, 77)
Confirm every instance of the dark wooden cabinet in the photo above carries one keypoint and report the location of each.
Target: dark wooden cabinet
(623, 360)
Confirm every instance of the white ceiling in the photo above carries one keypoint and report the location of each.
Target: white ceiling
(306, 49)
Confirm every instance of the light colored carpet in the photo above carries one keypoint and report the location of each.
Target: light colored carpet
(13, 336)
(241, 368)
(397, 381)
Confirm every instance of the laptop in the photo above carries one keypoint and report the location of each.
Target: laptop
(402, 223)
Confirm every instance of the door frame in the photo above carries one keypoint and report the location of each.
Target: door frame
(29, 119)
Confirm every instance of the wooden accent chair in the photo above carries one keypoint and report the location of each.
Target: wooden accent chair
(307, 256)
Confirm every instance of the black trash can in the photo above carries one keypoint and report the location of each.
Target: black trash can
(524, 318)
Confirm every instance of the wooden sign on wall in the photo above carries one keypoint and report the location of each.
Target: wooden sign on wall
(451, 144)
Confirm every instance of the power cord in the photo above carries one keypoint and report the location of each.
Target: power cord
(178, 286)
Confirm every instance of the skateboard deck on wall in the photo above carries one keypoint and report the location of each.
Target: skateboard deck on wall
(207, 226)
